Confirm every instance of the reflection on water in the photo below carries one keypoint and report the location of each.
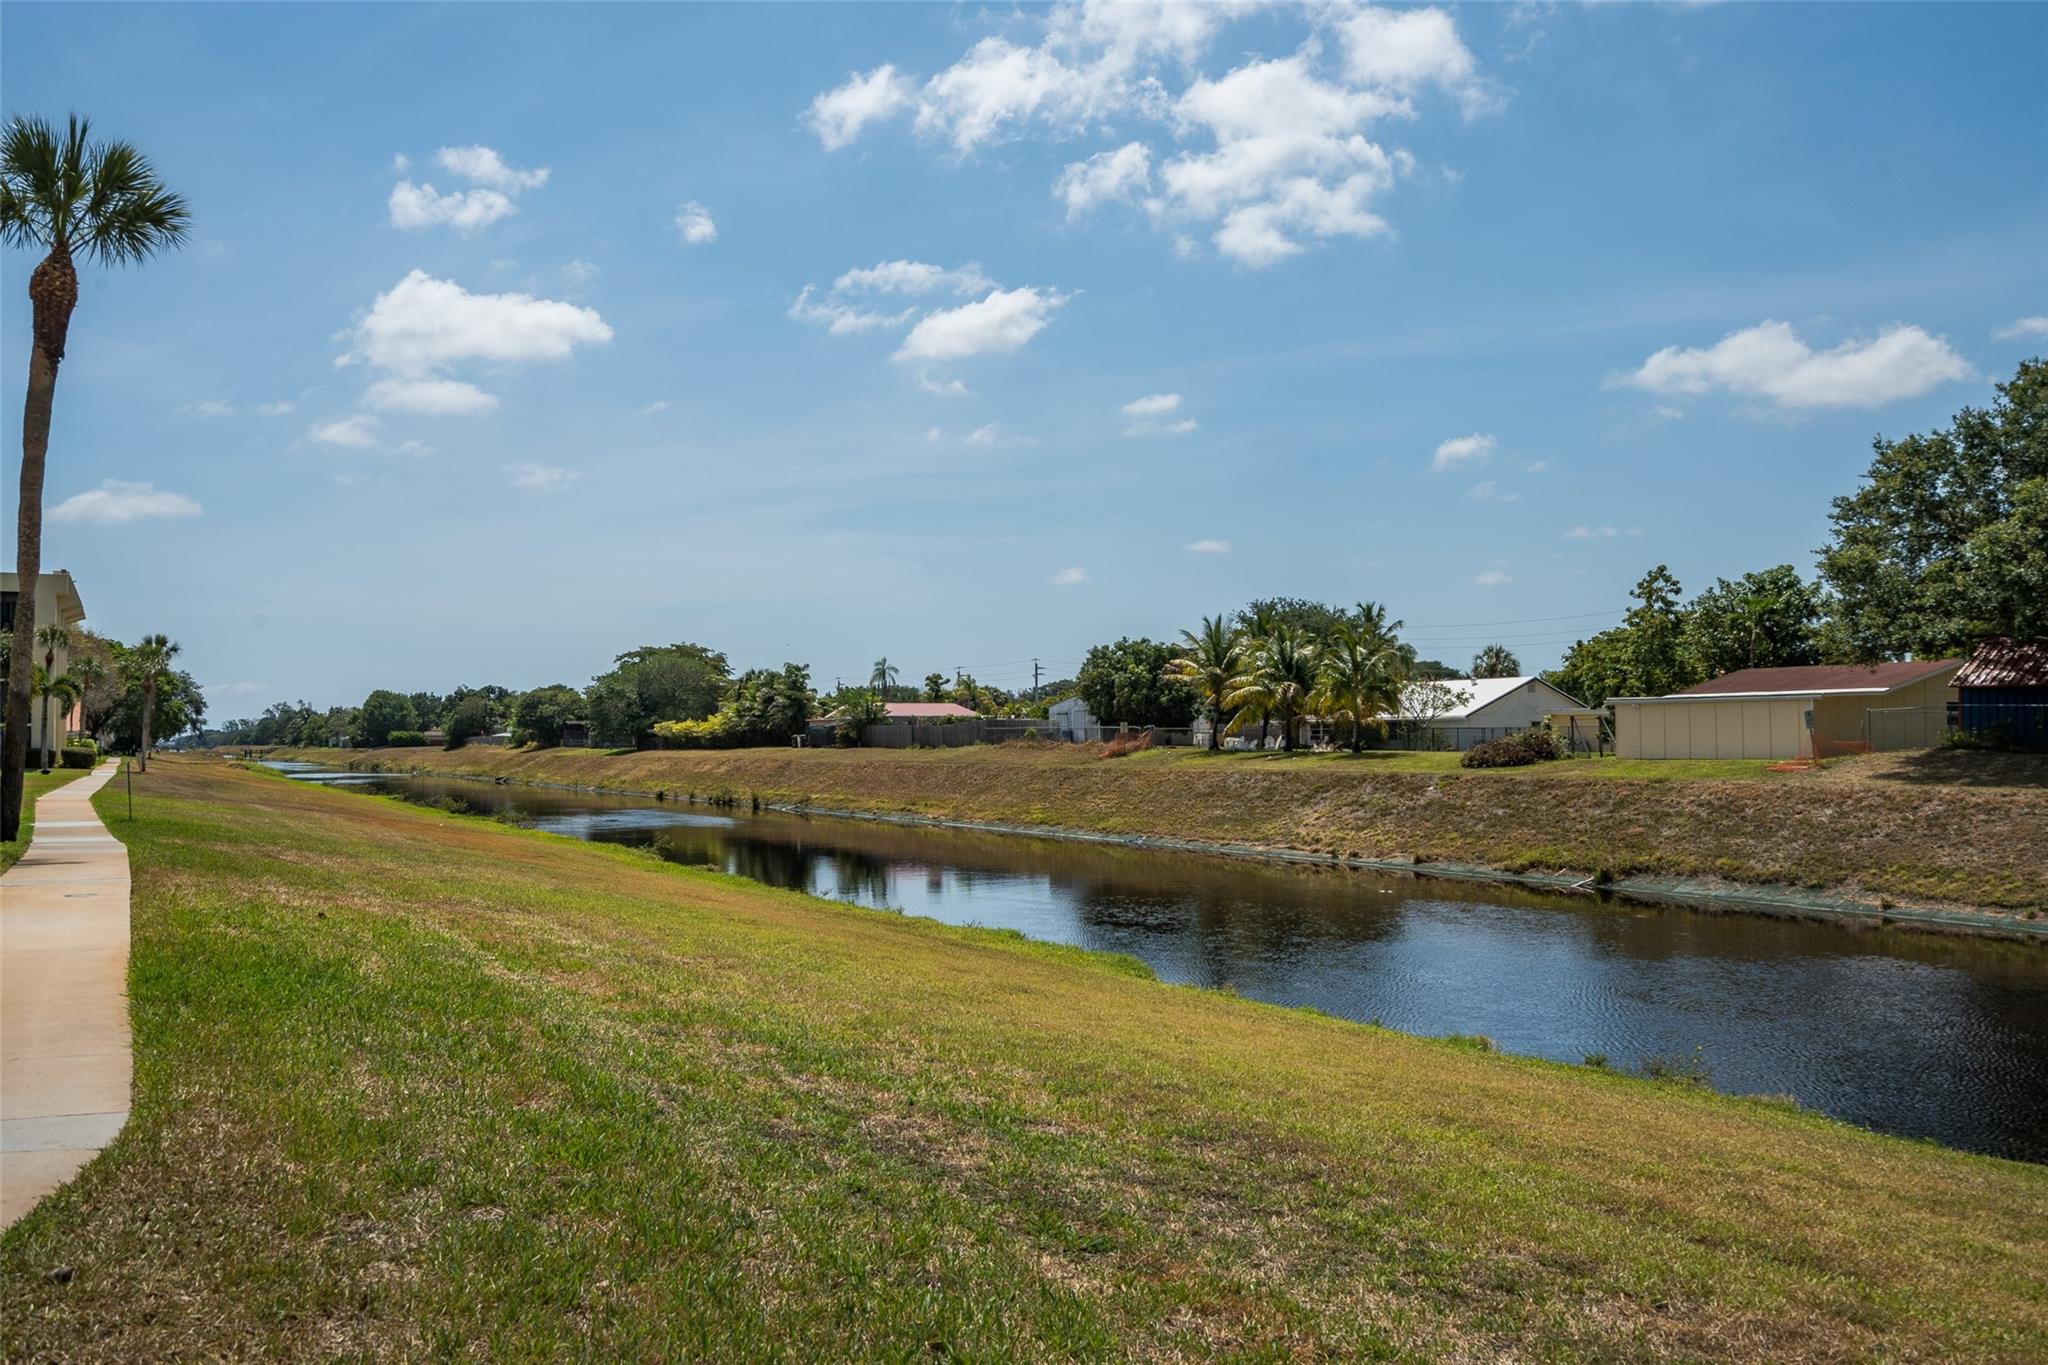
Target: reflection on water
(1912, 1034)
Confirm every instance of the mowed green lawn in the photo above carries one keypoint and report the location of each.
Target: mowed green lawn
(33, 785)
(413, 1084)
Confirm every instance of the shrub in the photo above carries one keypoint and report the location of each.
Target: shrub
(720, 730)
(1515, 751)
(406, 739)
(78, 756)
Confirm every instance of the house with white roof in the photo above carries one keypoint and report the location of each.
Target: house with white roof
(1491, 708)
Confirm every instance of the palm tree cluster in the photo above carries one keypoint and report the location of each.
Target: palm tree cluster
(1260, 669)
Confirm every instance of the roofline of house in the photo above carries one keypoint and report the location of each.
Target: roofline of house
(1816, 693)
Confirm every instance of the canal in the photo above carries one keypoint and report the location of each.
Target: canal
(1914, 1034)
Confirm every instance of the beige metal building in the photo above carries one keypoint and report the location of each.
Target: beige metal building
(1778, 712)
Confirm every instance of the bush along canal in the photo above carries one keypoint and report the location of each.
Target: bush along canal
(1917, 1035)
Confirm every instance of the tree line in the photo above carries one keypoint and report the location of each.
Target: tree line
(128, 696)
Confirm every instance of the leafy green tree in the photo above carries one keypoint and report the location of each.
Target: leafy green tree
(655, 683)
(858, 708)
(314, 732)
(1593, 670)
(1767, 619)
(1657, 657)
(1312, 622)
(934, 687)
(1126, 683)
(771, 705)
(67, 196)
(1496, 661)
(382, 712)
(1647, 655)
(472, 716)
(1276, 681)
(1207, 661)
(541, 714)
(1946, 541)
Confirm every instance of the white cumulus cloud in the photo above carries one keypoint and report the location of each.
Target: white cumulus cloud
(1103, 178)
(1004, 321)
(1290, 159)
(423, 324)
(495, 186)
(422, 206)
(357, 432)
(483, 166)
(429, 397)
(838, 115)
(116, 502)
(1152, 405)
(1067, 578)
(2021, 329)
(1591, 533)
(1770, 361)
(1493, 578)
(211, 407)
(913, 277)
(539, 478)
(1462, 450)
(1208, 547)
(694, 225)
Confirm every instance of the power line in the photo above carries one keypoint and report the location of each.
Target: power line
(1521, 621)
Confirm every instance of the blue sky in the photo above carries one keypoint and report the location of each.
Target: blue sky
(1479, 312)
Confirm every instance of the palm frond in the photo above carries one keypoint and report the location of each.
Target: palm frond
(104, 200)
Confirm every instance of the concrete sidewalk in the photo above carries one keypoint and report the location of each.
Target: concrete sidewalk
(65, 1061)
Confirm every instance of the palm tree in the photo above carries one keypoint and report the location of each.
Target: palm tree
(149, 663)
(1276, 680)
(90, 673)
(63, 690)
(934, 687)
(883, 678)
(66, 196)
(1209, 659)
(1360, 679)
(1496, 661)
(52, 638)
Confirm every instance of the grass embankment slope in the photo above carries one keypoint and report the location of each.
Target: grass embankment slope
(410, 1083)
(1938, 827)
(33, 785)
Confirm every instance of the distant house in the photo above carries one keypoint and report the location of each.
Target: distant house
(927, 710)
(57, 603)
(1490, 708)
(576, 734)
(1801, 712)
(2004, 689)
(1072, 720)
(499, 740)
(435, 736)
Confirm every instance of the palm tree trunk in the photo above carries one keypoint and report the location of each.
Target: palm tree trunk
(28, 557)
(148, 715)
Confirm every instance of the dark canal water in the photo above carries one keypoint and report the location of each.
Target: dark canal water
(1944, 1038)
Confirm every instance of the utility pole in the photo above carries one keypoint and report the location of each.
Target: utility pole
(1034, 680)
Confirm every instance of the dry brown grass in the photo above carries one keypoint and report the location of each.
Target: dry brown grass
(1854, 829)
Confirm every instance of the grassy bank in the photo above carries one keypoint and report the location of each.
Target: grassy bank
(412, 1084)
(1939, 829)
(33, 785)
